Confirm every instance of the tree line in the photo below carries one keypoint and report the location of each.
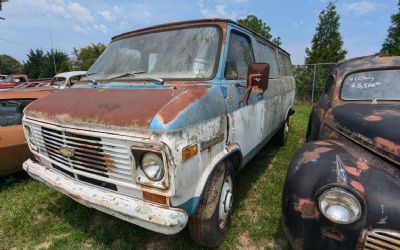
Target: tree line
(45, 64)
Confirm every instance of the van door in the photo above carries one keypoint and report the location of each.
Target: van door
(246, 118)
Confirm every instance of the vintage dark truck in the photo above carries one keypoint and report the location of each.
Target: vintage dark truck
(170, 115)
(342, 189)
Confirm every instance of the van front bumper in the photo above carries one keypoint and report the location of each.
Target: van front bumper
(160, 219)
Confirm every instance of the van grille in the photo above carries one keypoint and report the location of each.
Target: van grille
(99, 161)
(382, 239)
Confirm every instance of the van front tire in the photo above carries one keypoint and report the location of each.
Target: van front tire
(208, 226)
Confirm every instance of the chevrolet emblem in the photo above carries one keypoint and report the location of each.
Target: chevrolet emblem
(67, 152)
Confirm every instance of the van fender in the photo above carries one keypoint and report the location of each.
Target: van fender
(191, 205)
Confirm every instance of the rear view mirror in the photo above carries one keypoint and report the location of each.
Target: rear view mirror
(257, 77)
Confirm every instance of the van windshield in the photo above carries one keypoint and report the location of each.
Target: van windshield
(188, 53)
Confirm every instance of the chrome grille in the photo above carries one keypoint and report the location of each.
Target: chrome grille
(98, 160)
(382, 239)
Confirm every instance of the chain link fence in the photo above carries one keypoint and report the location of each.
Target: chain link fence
(311, 80)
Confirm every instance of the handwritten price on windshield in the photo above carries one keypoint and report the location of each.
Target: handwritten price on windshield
(365, 85)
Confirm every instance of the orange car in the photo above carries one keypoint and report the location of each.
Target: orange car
(13, 148)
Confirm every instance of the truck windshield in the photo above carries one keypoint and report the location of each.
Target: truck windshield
(369, 85)
(188, 53)
(11, 111)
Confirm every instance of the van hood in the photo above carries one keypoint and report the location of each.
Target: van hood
(125, 108)
(375, 126)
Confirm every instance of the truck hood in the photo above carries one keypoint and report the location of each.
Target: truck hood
(375, 126)
(119, 108)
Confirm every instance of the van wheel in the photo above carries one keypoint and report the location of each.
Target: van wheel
(208, 226)
(283, 133)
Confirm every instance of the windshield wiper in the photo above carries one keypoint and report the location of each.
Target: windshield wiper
(134, 73)
(91, 79)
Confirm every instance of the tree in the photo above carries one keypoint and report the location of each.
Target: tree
(87, 55)
(391, 46)
(327, 43)
(33, 67)
(41, 64)
(257, 25)
(9, 65)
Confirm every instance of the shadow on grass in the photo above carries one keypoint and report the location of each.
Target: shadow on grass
(10, 181)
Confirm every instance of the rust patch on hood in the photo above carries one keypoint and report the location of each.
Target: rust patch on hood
(179, 104)
(373, 118)
(115, 107)
(357, 185)
(388, 145)
(315, 154)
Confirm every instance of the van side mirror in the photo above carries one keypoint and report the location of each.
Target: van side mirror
(257, 77)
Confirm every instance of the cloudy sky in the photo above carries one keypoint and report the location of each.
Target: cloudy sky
(77, 23)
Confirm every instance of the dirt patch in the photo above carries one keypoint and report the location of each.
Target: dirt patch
(246, 243)
(44, 245)
(156, 241)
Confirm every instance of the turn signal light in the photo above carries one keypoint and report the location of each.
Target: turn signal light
(189, 151)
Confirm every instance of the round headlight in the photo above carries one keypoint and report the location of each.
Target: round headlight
(152, 166)
(339, 206)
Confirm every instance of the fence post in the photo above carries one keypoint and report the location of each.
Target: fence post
(313, 84)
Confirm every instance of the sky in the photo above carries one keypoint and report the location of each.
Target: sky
(75, 23)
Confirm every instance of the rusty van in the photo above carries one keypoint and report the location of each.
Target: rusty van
(342, 188)
(169, 115)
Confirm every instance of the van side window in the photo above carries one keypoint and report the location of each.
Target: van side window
(240, 55)
(285, 64)
(268, 55)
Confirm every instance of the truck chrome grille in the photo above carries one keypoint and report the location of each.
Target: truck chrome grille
(382, 239)
(100, 161)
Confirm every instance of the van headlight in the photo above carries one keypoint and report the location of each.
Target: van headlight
(152, 166)
(30, 137)
(339, 206)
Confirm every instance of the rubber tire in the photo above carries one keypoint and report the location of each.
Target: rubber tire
(281, 138)
(203, 225)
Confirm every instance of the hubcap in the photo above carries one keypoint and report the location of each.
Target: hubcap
(225, 201)
(286, 129)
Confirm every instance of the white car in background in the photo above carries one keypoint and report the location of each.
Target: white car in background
(66, 79)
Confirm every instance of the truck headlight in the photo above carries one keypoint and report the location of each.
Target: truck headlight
(152, 166)
(339, 206)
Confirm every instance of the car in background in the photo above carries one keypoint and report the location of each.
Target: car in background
(342, 188)
(13, 148)
(12, 81)
(66, 79)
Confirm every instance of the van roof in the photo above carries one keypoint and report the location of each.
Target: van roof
(194, 22)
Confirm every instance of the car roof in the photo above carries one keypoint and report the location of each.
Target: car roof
(30, 93)
(70, 74)
(366, 63)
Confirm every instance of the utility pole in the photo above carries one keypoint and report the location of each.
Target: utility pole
(52, 49)
(1, 8)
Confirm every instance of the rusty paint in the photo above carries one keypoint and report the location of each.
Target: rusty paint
(315, 154)
(179, 104)
(357, 185)
(362, 165)
(307, 209)
(332, 233)
(132, 108)
(389, 145)
(352, 170)
(110, 165)
(373, 118)
(323, 143)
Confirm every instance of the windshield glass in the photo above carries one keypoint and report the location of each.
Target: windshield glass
(11, 111)
(379, 84)
(188, 53)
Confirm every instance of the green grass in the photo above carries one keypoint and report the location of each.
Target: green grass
(35, 216)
